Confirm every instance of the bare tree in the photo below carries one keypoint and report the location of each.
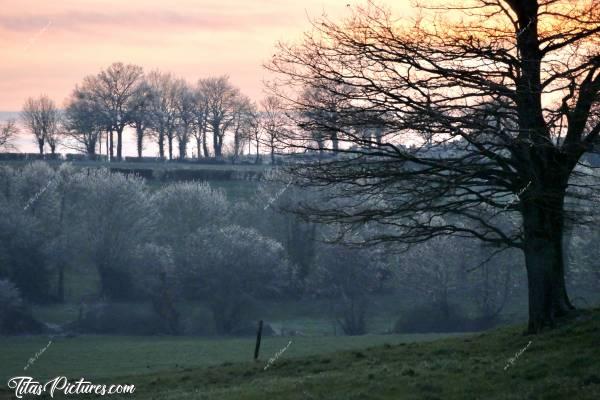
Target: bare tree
(141, 117)
(55, 131)
(256, 134)
(539, 59)
(243, 113)
(115, 90)
(221, 98)
(163, 110)
(8, 130)
(323, 104)
(273, 122)
(41, 117)
(185, 106)
(83, 123)
(201, 122)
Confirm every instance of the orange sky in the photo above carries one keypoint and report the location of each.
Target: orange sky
(49, 46)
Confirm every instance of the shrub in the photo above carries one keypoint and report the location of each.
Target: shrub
(15, 317)
(232, 266)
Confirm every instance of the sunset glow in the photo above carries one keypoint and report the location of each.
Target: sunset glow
(48, 47)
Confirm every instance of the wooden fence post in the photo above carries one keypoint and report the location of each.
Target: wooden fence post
(258, 337)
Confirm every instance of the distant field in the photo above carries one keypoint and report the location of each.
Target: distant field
(149, 165)
(112, 356)
(238, 181)
(309, 316)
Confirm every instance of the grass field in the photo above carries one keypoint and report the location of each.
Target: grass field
(560, 364)
(114, 356)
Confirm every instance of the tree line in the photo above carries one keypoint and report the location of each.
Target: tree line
(211, 114)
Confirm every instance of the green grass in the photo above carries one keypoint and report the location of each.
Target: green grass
(113, 356)
(559, 364)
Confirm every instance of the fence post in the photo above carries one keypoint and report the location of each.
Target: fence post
(258, 337)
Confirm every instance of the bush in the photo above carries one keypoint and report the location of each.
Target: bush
(22, 258)
(15, 317)
(232, 266)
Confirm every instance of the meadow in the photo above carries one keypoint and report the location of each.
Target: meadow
(557, 364)
(97, 356)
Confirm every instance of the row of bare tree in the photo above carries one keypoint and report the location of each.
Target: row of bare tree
(156, 106)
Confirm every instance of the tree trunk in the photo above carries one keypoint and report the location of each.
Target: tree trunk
(140, 140)
(41, 145)
(91, 148)
(272, 151)
(216, 144)
(182, 149)
(335, 141)
(543, 248)
(205, 145)
(161, 145)
(111, 144)
(120, 144)
(236, 148)
(170, 139)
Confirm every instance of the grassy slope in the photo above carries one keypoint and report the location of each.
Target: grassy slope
(559, 364)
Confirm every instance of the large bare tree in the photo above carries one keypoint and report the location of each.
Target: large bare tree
(185, 106)
(506, 93)
(141, 115)
(115, 90)
(221, 98)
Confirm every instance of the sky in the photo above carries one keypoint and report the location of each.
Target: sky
(49, 46)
